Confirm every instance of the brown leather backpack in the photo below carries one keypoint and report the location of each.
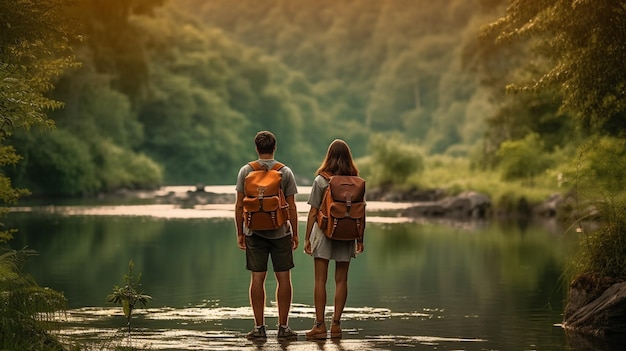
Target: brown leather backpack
(341, 215)
(264, 203)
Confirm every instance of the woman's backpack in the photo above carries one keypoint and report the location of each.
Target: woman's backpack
(264, 203)
(341, 215)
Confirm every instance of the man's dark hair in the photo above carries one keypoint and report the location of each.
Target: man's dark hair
(265, 142)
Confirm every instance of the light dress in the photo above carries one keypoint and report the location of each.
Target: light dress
(321, 246)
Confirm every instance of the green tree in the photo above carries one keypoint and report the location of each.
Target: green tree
(63, 158)
(33, 52)
(523, 159)
(600, 168)
(95, 144)
(521, 115)
(582, 45)
(113, 43)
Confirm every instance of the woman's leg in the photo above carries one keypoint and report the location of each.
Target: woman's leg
(341, 295)
(319, 294)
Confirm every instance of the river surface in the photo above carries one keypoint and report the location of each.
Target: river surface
(419, 285)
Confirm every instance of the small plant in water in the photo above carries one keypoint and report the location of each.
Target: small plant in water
(128, 296)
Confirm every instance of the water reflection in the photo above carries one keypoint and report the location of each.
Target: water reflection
(419, 284)
(194, 329)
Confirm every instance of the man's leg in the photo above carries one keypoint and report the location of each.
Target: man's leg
(257, 254)
(257, 296)
(282, 260)
(283, 296)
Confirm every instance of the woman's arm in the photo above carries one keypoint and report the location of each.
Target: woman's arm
(312, 218)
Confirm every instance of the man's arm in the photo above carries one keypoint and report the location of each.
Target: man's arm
(241, 238)
(293, 219)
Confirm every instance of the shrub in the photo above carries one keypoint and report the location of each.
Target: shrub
(523, 159)
(392, 162)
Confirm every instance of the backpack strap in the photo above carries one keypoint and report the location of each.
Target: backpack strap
(278, 166)
(326, 175)
(257, 166)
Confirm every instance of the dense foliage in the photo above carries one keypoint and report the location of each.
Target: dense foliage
(582, 44)
(135, 94)
(33, 51)
(92, 146)
(173, 91)
(378, 66)
(575, 56)
(565, 78)
(24, 305)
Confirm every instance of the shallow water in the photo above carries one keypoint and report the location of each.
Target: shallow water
(418, 285)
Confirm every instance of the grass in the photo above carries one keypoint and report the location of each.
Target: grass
(602, 250)
(456, 175)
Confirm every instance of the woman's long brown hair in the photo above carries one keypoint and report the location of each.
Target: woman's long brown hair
(338, 160)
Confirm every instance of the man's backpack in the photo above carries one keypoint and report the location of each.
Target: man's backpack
(264, 204)
(341, 215)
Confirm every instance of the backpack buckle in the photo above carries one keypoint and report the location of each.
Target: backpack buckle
(261, 192)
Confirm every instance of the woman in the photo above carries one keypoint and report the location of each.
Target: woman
(338, 161)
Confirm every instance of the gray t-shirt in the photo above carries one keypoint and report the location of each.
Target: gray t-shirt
(289, 186)
(317, 191)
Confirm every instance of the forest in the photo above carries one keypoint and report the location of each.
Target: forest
(102, 95)
(170, 92)
(146, 93)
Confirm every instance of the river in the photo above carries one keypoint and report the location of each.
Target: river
(420, 284)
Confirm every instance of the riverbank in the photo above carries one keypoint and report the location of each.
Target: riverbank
(437, 203)
(412, 203)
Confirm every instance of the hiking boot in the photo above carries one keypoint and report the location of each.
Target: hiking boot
(335, 330)
(285, 333)
(317, 332)
(257, 333)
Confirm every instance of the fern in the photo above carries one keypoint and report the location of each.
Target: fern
(25, 306)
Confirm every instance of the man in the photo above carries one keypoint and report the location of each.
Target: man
(261, 244)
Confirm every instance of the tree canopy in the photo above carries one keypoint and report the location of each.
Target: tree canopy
(172, 92)
(33, 52)
(582, 44)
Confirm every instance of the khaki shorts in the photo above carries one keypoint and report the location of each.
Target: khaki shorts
(259, 249)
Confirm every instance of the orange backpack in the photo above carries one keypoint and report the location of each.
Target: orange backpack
(341, 215)
(264, 204)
